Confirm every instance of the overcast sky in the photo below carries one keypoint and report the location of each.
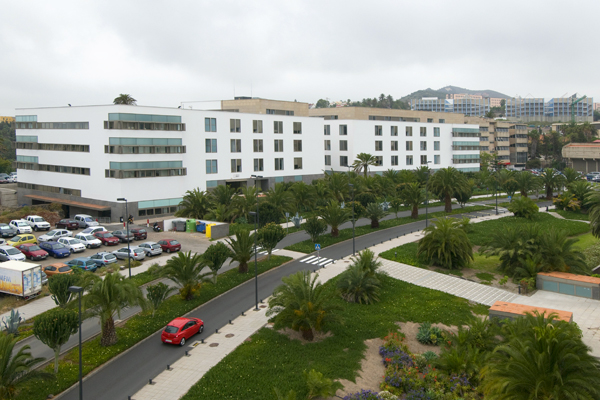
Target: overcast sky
(165, 52)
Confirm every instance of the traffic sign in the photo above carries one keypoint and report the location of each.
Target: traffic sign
(317, 247)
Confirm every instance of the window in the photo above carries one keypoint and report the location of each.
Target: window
(378, 145)
(343, 145)
(409, 131)
(258, 146)
(278, 146)
(409, 145)
(210, 124)
(436, 159)
(327, 130)
(328, 145)
(236, 165)
(378, 130)
(436, 132)
(234, 125)
(343, 130)
(258, 164)
(297, 127)
(429, 119)
(394, 131)
(409, 160)
(343, 161)
(436, 145)
(327, 160)
(379, 161)
(211, 167)
(297, 145)
(394, 160)
(277, 126)
(442, 121)
(394, 145)
(297, 163)
(423, 160)
(279, 164)
(257, 126)
(211, 145)
(423, 145)
(424, 130)
(236, 145)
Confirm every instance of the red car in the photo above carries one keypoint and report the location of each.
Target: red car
(67, 224)
(181, 329)
(139, 233)
(107, 238)
(169, 245)
(33, 251)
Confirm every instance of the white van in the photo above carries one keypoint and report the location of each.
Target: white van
(85, 221)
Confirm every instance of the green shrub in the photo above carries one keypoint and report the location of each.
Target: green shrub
(523, 207)
(428, 334)
(429, 355)
(567, 201)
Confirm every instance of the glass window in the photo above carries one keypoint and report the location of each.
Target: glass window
(429, 119)
(297, 145)
(236, 165)
(436, 132)
(409, 146)
(236, 145)
(436, 145)
(424, 130)
(211, 145)
(258, 164)
(258, 146)
(378, 130)
(343, 161)
(343, 130)
(327, 130)
(257, 126)
(297, 163)
(423, 160)
(278, 145)
(423, 145)
(379, 161)
(394, 160)
(378, 145)
(394, 131)
(409, 131)
(211, 166)
(327, 160)
(394, 146)
(343, 145)
(234, 125)
(210, 124)
(436, 159)
(279, 164)
(327, 144)
(442, 121)
(297, 127)
(277, 126)
(409, 160)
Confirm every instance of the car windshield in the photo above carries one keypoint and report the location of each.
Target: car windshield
(21, 223)
(58, 246)
(15, 238)
(156, 246)
(38, 219)
(51, 233)
(88, 220)
(106, 235)
(5, 227)
(64, 269)
(110, 257)
(74, 241)
(141, 231)
(171, 329)
(34, 248)
(12, 252)
(89, 237)
(174, 242)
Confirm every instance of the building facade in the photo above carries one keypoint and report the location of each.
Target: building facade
(553, 110)
(469, 106)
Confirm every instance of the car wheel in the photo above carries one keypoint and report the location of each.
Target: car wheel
(201, 329)
(71, 251)
(35, 228)
(168, 250)
(182, 343)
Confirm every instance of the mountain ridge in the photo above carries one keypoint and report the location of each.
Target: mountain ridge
(441, 93)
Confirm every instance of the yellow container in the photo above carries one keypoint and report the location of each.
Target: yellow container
(208, 230)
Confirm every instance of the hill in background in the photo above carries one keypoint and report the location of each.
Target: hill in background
(441, 93)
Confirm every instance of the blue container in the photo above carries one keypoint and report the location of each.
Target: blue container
(201, 227)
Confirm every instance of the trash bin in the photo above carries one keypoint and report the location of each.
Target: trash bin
(190, 225)
(208, 230)
(180, 226)
(201, 227)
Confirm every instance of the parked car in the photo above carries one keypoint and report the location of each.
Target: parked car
(20, 225)
(135, 253)
(54, 235)
(93, 229)
(181, 329)
(12, 253)
(7, 231)
(85, 221)
(55, 249)
(107, 238)
(3, 258)
(44, 278)
(37, 223)
(139, 233)
(84, 263)
(103, 258)
(123, 236)
(32, 251)
(20, 239)
(169, 245)
(89, 241)
(74, 245)
(12, 179)
(57, 269)
(151, 248)
(67, 223)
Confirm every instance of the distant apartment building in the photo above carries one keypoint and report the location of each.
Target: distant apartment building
(469, 106)
(495, 101)
(458, 96)
(553, 110)
(9, 120)
(596, 106)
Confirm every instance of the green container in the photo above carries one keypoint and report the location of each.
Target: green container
(190, 225)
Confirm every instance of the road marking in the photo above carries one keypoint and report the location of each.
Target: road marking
(314, 260)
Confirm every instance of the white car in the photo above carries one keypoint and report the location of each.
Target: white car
(74, 245)
(37, 223)
(151, 248)
(54, 235)
(88, 240)
(12, 253)
(91, 231)
(20, 225)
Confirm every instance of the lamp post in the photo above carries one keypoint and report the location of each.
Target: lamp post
(78, 289)
(128, 249)
(353, 221)
(256, 177)
(496, 181)
(427, 197)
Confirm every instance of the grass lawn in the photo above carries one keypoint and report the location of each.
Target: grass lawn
(585, 241)
(307, 246)
(573, 215)
(271, 360)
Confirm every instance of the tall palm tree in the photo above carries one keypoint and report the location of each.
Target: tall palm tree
(107, 297)
(559, 254)
(185, 270)
(507, 181)
(581, 190)
(412, 195)
(303, 304)
(125, 99)
(407, 176)
(526, 182)
(551, 180)
(446, 244)
(222, 194)
(245, 201)
(422, 174)
(338, 185)
(17, 367)
(445, 182)
(304, 196)
(281, 199)
(571, 175)
(334, 216)
(242, 249)
(374, 212)
(534, 135)
(322, 192)
(363, 162)
(393, 175)
(195, 204)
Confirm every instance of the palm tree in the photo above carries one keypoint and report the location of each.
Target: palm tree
(195, 204)
(338, 185)
(445, 182)
(513, 246)
(422, 174)
(280, 198)
(245, 202)
(412, 195)
(526, 182)
(186, 271)
(581, 190)
(334, 216)
(362, 163)
(506, 181)
(357, 286)
(571, 175)
(222, 194)
(374, 212)
(303, 304)
(125, 99)
(242, 249)
(304, 196)
(551, 180)
(322, 192)
(17, 367)
(107, 297)
(446, 244)
(407, 176)
(559, 254)
(367, 261)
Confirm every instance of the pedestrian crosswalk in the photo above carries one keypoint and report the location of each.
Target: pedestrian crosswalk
(262, 252)
(320, 261)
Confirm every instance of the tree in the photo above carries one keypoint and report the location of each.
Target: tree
(396, 206)
(125, 99)
(315, 227)
(267, 213)
(523, 207)
(412, 195)
(445, 182)
(59, 286)
(157, 294)
(245, 202)
(571, 176)
(303, 304)
(368, 262)
(581, 190)
(338, 185)
(446, 244)
(222, 194)
(422, 174)
(321, 103)
(356, 286)
(334, 216)
(17, 367)
(195, 204)
(374, 212)
(242, 249)
(269, 235)
(551, 180)
(490, 114)
(304, 196)
(506, 181)
(526, 182)
(54, 328)
(186, 271)
(320, 386)
(215, 256)
(281, 199)
(107, 297)
(363, 162)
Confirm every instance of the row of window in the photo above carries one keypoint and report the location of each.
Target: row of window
(235, 145)
(235, 125)
(144, 173)
(145, 126)
(379, 160)
(51, 189)
(343, 145)
(157, 211)
(53, 125)
(343, 130)
(83, 148)
(144, 149)
(212, 166)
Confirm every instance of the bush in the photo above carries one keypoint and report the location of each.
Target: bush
(523, 207)
(592, 255)
(567, 201)
(429, 356)
(429, 334)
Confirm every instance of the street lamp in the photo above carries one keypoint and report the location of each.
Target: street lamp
(427, 197)
(353, 221)
(128, 249)
(256, 178)
(78, 289)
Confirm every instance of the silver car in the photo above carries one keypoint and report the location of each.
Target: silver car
(74, 245)
(151, 248)
(54, 235)
(12, 253)
(135, 253)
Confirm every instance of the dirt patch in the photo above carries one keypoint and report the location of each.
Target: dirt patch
(410, 329)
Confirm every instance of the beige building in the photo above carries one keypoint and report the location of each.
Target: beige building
(495, 102)
(253, 105)
(518, 140)
(463, 96)
(584, 157)
(494, 137)
(386, 114)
